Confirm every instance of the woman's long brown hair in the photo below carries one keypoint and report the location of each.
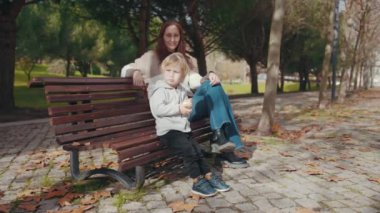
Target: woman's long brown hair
(161, 49)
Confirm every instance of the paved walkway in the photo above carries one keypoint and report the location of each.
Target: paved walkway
(332, 166)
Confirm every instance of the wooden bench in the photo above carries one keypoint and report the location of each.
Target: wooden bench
(90, 113)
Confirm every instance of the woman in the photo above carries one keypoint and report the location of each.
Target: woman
(209, 99)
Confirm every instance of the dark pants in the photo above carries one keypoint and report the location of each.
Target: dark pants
(183, 144)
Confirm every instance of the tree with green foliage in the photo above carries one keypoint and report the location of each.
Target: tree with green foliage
(246, 33)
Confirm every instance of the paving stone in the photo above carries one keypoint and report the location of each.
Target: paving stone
(155, 204)
(133, 206)
(226, 210)
(151, 197)
(334, 204)
(48, 205)
(246, 207)
(234, 197)
(217, 202)
(367, 210)
(282, 203)
(165, 210)
(345, 210)
(308, 203)
(263, 204)
(202, 209)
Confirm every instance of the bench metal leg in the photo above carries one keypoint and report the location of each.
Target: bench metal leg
(78, 175)
(140, 176)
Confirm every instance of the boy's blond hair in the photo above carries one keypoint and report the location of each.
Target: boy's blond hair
(176, 58)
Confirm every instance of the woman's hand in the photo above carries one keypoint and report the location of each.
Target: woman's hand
(138, 79)
(214, 79)
(186, 107)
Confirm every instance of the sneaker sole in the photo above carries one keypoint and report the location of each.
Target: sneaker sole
(223, 190)
(227, 164)
(203, 195)
(228, 147)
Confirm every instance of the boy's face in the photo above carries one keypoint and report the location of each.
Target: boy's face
(173, 75)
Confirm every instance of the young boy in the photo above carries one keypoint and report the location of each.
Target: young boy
(171, 107)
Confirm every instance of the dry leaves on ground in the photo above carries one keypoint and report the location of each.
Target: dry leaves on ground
(5, 207)
(28, 206)
(66, 200)
(286, 154)
(376, 180)
(334, 179)
(179, 206)
(314, 171)
(304, 210)
(289, 169)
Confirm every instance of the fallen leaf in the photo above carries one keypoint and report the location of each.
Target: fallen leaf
(88, 200)
(56, 192)
(5, 207)
(334, 179)
(341, 167)
(288, 169)
(1, 194)
(314, 172)
(312, 164)
(314, 149)
(102, 194)
(28, 193)
(365, 149)
(304, 210)
(376, 180)
(28, 206)
(286, 154)
(181, 206)
(66, 200)
(195, 197)
(75, 144)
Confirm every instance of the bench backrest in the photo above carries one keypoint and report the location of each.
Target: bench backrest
(88, 113)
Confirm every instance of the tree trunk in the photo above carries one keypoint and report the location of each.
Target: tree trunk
(322, 102)
(252, 69)
(267, 116)
(343, 87)
(144, 26)
(195, 33)
(8, 31)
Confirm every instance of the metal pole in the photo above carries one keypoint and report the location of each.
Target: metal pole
(335, 49)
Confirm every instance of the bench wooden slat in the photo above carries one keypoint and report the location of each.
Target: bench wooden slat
(129, 164)
(44, 81)
(102, 132)
(92, 96)
(101, 123)
(96, 115)
(63, 110)
(88, 88)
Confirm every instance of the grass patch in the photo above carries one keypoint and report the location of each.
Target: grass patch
(46, 181)
(126, 196)
(90, 185)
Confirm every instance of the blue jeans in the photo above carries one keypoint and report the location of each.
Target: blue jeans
(212, 102)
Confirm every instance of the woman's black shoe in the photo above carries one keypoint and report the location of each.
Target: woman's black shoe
(229, 159)
(219, 143)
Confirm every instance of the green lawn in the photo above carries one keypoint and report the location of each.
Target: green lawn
(34, 97)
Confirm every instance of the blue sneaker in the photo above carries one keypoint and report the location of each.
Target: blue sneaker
(203, 188)
(218, 183)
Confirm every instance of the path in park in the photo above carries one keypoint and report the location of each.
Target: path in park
(333, 165)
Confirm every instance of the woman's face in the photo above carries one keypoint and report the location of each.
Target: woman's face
(171, 38)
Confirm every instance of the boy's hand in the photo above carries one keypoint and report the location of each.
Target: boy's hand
(186, 107)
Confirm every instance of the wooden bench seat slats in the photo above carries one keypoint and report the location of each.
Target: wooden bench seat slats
(101, 123)
(52, 89)
(62, 139)
(123, 166)
(45, 81)
(92, 96)
(96, 114)
(107, 141)
(63, 110)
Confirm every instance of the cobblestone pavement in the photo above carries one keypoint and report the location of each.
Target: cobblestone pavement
(333, 167)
